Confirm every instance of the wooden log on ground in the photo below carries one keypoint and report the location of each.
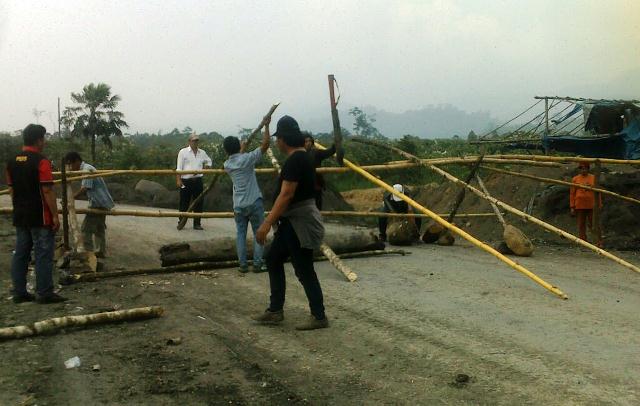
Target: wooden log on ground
(224, 248)
(55, 325)
(205, 266)
(553, 289)
(403, 233)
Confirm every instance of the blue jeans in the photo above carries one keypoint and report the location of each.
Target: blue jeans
(42, 240)
(244, 215)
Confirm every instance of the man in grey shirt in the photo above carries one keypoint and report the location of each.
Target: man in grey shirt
(94, 225)
(247, 198)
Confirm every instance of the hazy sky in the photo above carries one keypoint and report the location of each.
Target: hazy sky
(217, 65)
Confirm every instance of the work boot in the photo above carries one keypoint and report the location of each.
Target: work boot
(313, 324)
(269, 317)
(198, 227)
(52, 298)
(27, 297)
(243, 269)
(259, 268)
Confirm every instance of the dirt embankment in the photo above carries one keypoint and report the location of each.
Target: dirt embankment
(620, 219)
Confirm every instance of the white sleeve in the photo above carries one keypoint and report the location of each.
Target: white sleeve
(179, 163)
(207, 160)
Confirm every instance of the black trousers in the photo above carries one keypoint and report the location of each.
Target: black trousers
(286, 245)
(319, 199)
(192, 189)
(384, 221)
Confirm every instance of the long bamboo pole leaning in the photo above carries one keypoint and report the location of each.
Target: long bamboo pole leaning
(553, 289)
(324, 248)
(214, 180)
(229, 214)
(517, 212)
(562, 182)
(513, 237)
(55, 325)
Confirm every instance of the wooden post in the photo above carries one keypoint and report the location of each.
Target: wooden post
(597, 232)
(65, 209)
(337, 130)
(546, 115)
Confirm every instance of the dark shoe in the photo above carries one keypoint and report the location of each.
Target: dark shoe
(243, 269)
(382, 237)
(269, 317)
(313, 324)
(52, 298)
(27, 297)
(259, 269)
(198, 227)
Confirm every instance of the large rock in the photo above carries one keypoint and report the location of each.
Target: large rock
(149, 188)
(402, 232)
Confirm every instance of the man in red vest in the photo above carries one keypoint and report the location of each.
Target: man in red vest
(35, 217)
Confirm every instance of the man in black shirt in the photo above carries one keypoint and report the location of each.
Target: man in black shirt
(299, 229)
(317, 156)
(35, 217)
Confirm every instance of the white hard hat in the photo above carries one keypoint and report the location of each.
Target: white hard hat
(398, 187)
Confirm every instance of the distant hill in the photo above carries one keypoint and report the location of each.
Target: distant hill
(442, 121)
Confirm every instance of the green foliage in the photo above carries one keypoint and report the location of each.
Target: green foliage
(363, 124)
(95, 115)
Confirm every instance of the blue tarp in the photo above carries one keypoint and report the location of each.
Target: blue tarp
(605, 117)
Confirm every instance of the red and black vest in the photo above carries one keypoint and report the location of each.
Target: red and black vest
(29, 207)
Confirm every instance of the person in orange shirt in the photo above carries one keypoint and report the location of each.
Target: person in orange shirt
(582, 201)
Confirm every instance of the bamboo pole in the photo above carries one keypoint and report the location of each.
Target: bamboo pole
(203, 266)
(562, 182)
(553, 289)
(566, 159)
(597, 230)
(495, 208)
(524, 215)
(228, 214)
(78, 242)
(393, 165)
(65, 199)
(324, 248)
(55, 325)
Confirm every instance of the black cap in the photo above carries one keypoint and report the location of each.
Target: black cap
(287, 125)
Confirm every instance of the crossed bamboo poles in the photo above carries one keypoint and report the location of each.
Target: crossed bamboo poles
(508, 208)
(553, 289)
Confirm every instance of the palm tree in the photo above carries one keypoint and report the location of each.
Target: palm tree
(95, 116)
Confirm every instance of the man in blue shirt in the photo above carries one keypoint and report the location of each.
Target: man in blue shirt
(94, 225)
(247, 198)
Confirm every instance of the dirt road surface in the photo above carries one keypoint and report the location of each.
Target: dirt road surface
(400, 335)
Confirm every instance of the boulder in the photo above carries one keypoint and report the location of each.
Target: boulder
(149, 188)
(402, 233)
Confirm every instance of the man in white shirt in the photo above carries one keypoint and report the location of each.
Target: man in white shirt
(189, 159)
